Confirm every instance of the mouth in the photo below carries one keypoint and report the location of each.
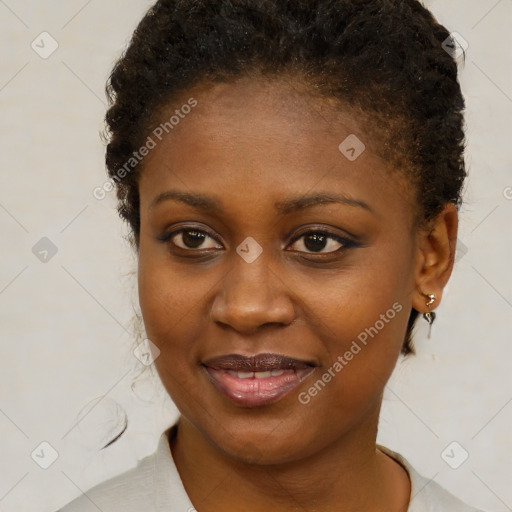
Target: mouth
(257, 380)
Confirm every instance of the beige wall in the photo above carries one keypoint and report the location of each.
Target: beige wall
(65, 324)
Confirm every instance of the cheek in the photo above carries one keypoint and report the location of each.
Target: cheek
(370, 300)
(362, 347)
(363, 318)
(173, 298)
(165, 301)
(167, 304)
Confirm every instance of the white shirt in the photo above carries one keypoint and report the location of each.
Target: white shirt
(154, 485)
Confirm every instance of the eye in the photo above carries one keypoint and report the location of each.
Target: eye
(317, 241)
(190, 239)
(312, 242)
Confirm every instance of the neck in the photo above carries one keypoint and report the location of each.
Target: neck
(348, 475)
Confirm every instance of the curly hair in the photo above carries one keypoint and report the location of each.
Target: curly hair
(382, 57)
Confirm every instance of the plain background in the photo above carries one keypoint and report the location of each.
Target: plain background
(66, 337)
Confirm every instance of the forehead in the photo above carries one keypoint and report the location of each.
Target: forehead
(266, 139)
(270, 113)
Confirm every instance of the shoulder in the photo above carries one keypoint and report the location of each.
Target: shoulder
(432, 497)
(427, 495)
(152, 485)
(128, 491)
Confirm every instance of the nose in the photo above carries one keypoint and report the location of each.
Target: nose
(252, 295)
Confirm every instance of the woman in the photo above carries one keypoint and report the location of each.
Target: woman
(291, 172)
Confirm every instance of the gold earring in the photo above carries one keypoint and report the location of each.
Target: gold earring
(430, 316)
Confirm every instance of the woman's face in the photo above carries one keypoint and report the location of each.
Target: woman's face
(261, 236)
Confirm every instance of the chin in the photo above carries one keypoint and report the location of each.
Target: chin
(260, 442)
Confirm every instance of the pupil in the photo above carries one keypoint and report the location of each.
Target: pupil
(315, 242)
(193, 238)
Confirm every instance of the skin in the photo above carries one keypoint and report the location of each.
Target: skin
(250, 144)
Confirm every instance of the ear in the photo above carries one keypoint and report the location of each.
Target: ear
(435, 258)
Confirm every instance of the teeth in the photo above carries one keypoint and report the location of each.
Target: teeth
(262, 375)
(259, 375)
(245, 375)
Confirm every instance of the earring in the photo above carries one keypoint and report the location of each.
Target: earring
(430, 316)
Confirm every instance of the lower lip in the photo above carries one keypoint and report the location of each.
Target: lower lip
(256, 392)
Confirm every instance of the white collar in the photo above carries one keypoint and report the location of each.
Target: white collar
(426, 495)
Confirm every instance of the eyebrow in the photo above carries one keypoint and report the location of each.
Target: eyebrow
(286, 207)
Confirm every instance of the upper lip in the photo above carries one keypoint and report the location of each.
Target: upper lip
(256, 363)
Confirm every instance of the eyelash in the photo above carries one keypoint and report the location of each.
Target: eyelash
(346, 243)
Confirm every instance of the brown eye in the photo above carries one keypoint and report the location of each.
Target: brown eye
(190, 239)
(317, 241)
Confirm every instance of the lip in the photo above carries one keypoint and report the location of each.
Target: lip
(273, 377)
